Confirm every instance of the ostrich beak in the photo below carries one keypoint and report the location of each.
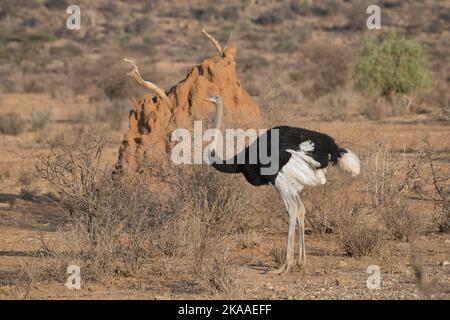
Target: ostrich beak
(210, 99)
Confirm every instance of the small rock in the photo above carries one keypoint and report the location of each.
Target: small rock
(342, 264)
(445, 263)
(447, 240)
(270, 287)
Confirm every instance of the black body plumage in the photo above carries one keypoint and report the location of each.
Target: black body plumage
(290, 138)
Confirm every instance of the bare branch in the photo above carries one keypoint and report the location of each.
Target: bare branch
(228, 40)
(134, 73)
(213, 41)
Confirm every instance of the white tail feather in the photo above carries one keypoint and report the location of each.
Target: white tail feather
(349, 162)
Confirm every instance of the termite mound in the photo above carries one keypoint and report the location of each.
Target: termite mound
(155, 117)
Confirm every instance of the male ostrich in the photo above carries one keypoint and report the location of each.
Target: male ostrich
(303, 156)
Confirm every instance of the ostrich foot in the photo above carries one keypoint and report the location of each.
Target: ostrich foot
(286, 267)
(301, 263)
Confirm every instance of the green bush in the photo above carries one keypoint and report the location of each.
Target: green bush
(392, 64)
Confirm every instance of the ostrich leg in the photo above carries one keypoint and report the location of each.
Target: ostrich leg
(301, 234)
(289, 262)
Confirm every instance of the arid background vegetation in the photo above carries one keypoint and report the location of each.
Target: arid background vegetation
(188, 231)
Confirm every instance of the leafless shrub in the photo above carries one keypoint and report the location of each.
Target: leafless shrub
(118, 223)
(401, 222)
(379, 168)
(220, 274)
(430, 183)
(110, 220)
(11, 123)
(211, 206)
(358, 237)
(322, 204)
(203, 210)
(388, 192)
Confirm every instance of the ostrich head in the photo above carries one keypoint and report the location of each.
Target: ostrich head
(214, 99)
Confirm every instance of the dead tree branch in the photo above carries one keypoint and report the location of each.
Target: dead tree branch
(134, 73)
(213, 41)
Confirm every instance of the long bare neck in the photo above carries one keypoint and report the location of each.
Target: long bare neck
(217, 123)
(224, 167)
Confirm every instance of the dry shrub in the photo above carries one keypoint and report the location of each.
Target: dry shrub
(109, 219)
(358, 237)
(323, 204)
(220, 274)
(423, 178)
(388, 192)
(11, 123)
(207, 204)
(119, 223)
(430, 176)
(379, 175)
(205, 208)
(401, 222)
(334, 208)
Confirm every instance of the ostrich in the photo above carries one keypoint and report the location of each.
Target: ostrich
(303, 156)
